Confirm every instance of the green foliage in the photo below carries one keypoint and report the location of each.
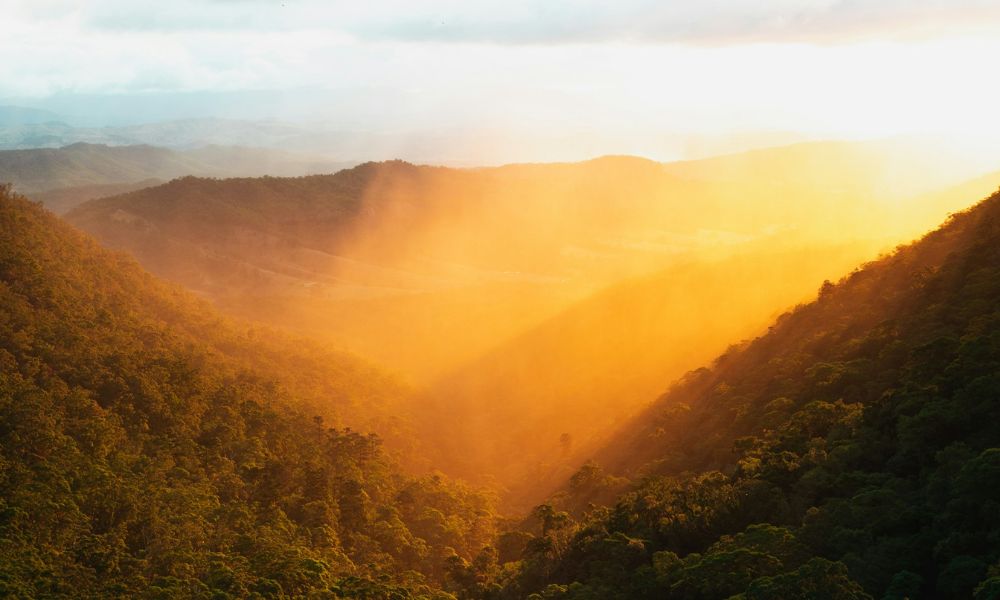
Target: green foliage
(149, 448)
(818, 579)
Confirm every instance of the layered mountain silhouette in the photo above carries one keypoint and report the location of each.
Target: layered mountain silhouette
(362, 242)
(82, 171)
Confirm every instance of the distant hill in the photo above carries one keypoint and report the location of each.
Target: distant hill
(29, 129)
(150, 447)
(618, 215)
(853, 451)
(388, 227)
(61, 200)
(90, 164)
(82, 164)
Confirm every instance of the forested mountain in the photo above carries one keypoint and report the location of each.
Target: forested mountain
(518, 295)
(82, 164)
(151, 448)
(851, 452)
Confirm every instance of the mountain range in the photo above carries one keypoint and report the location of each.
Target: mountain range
(484, 287)
(78, 172)
(152, 444)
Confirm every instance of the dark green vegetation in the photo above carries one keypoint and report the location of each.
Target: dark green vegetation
(852, 452)
(150, 448)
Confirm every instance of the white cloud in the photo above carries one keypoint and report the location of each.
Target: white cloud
(534, 21)
(588, 67)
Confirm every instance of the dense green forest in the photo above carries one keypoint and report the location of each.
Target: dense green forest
(150, 448)
(851, 452)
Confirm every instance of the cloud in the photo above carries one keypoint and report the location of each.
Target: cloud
(631, 67)
(711, 22)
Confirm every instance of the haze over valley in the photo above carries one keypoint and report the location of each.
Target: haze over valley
(499, 302)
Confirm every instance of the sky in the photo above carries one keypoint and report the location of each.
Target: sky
(626, 76)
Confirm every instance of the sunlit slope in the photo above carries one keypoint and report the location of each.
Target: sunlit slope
(831, 348)
(529, 411)
(421, 267)
(150, 448)
(853, 451)
(421, 333)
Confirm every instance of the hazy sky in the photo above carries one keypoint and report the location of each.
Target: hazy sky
(621, 71)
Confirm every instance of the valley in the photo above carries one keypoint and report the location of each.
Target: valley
(499, 300)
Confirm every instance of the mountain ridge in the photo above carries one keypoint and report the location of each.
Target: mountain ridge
(85, 163)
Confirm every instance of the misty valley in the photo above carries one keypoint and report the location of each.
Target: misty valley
(499, 301)
(605, 379)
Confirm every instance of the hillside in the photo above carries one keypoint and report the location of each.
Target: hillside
(150, 447)
(851, 452)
